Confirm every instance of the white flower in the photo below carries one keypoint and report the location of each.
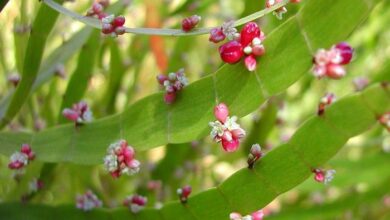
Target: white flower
(217, 130)
(110, 161)
(108, 19)
(20, 157)
(229, 30)
(329, 175)
(247, 217)
(231, 123)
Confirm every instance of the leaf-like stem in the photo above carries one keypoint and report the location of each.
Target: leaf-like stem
(159, 31)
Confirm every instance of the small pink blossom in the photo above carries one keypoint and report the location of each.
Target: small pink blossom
(19, 160)
(254, 155)
(97, 9)
(173, 82)
(190, 23)
(120, 159)
(88, 201)
(135, 203)
(258, 215)
(79, 113)
(330, 63)
(184, 193)
(225, 129)
(323, 176)
(326, 100)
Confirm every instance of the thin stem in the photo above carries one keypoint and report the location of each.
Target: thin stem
(159, 31)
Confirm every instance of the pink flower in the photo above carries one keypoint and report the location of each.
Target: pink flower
(326, 100)
(79, 113)
(323, 176)
(190, 23)
(88, 201)
(225, 129)
(135, 203)
(120, 159)
(19, 160)
(173, 83)
(184, 193)
(330, 63)
(248, 45)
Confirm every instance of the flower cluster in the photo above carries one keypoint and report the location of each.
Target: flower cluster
(173, 83)
(279, 11)
(385, 120)
(19, 160)
(326, 100)
(35, 185)
(226, 129)
(113, 25)
(88, 201)
(135, 203)
(120, 159)
(183, 193)
(258, 215)
(254, 155)
(79, 113)
(227, 30)
(331, 62)
(323, 176)
(248, 44)
(97, 9)
(190, 23)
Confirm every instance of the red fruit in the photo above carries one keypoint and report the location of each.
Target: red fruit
(102, 15)
(319, 176)
(169, 98)
(119, 21)
(216, 35)
(186, 191)
(248, 32)
(97, 8)
(221, 112)
(346, 52)
(230, 146)
(189, 23)
(161, 79)
(107, 29)
(335, 71)
(250, 63)
(25, 149)
(231, 52)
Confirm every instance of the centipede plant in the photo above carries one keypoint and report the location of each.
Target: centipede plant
(241, 110)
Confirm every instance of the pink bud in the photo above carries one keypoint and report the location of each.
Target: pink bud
(186, 191)
(238, 133)
(120, 30)
(248, 32)
(102, 15)
(231, 52)
(216, 35)
(335, 71)
(161, 78)
(107, 28)
(230, 146)
(25, 149)
(189, 23)
(97, 8)
(250, 63)
(258, 215)
(221, 112)
(258, 50)
(346, 52)
(104, 3)
(169, 98)
(119, 21)
(70, 114)
(227, 136)
(319, 175)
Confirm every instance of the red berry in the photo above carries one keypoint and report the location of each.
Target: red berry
(186, 191)
(119, 21)
(161, 79)
(169, 98)
(231, 52)
(97, 8)
(107, 29)
(189, 23)
(335, 71)
(221, 112)
(346, 52)
(216, 35)
(248, 32)
(250, 62)
(230, 146)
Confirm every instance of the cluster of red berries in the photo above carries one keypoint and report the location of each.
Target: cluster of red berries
(97, 9)
(184, 193)
(247, 44)
(258, 215)
(331, 62)
(19, 160)
(173, 82)
(113, 25)
(225, 129)
(79, 113)
(326, 100)
(190, 23)
(135, 203)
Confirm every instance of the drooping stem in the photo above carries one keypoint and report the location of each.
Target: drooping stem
(160, 31)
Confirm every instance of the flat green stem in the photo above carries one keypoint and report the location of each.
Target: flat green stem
(159, 31)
